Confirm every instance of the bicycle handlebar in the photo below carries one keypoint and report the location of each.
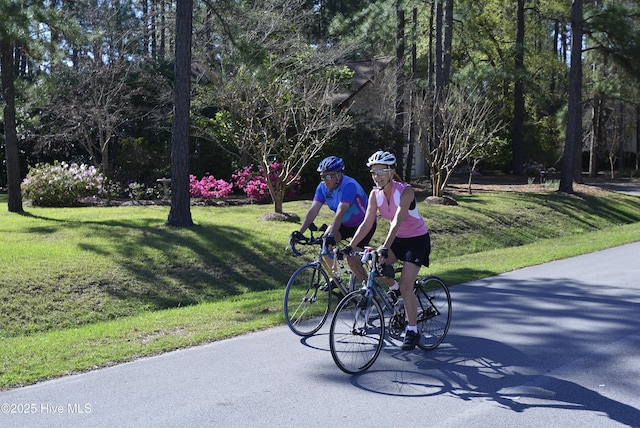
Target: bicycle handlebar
(298, 238)
(370, 254)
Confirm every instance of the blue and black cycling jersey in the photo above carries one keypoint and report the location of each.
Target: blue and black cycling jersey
(348, 191)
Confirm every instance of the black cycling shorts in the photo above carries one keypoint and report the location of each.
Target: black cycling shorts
(348, 232)
(415, 250)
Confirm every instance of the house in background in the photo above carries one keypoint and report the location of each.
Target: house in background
(373, 94)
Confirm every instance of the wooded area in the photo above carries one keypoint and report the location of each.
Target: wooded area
(495, 85)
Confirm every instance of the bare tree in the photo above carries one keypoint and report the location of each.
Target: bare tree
(91, 103)
(466, 123)
(614, 138)
(287, 120)
(277, 100)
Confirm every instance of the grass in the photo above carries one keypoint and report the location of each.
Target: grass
(90, 287)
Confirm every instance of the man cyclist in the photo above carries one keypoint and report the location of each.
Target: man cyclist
(344, 196)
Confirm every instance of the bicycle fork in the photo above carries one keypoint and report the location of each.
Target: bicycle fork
(362, 313)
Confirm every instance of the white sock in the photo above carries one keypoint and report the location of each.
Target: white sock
(413, 328)
(395, 286)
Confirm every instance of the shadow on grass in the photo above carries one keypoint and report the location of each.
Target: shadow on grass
(162, 267)
(512, 226)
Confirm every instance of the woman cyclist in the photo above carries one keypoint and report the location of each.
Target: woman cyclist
(408, 238)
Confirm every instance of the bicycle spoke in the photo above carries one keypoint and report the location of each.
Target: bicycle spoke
(434, 312)
(307, 300)
(356, 335)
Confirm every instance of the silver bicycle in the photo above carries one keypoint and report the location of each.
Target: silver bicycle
(358, 326)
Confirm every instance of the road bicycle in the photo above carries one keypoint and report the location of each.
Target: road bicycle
(311, 288)
(358, 328)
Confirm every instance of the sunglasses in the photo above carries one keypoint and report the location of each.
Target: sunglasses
(327, 176)
(379, 172)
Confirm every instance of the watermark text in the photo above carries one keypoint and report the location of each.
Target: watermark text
(45, 408)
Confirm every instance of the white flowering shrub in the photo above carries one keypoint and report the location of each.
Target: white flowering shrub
(61, 184)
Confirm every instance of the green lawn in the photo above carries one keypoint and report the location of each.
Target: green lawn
(88, 287)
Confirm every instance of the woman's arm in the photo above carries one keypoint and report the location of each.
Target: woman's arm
(407, 197)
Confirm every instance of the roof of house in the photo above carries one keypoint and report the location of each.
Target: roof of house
(364, 73)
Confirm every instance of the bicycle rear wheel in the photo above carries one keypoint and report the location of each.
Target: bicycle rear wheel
(434, 311)
(307, 300)
(357, 332)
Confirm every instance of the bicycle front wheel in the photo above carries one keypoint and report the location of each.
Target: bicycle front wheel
(434, 311)
(357, 332)
(307, 300)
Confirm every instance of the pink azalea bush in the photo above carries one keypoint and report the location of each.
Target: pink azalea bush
(251, 182)
(209, 188)
(254, 185)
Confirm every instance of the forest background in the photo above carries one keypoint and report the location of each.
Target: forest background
(93, 82)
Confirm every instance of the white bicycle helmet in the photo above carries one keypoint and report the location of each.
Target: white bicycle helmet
(382, 158)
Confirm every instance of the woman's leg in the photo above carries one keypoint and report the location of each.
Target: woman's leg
(407, 281)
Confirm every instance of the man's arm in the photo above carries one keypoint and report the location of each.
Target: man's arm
(337, 221)
(311, 215)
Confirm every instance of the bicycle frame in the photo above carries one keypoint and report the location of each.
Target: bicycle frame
(312, 287)
(332, 269)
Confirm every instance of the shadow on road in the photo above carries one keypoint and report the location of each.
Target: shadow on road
(456, 370)
(522, 343)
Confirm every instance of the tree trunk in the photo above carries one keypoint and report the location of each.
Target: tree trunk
(399, 114)
(438, 49)
(518, 95)
(447, 42)
(595, 125)
(10, 134)
(438, 92)
(637, 137)
(573, 139)
(180, 213)
(278, 200)
(412, 125)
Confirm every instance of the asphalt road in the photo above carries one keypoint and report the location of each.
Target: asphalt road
(626, 186)
(554, 345)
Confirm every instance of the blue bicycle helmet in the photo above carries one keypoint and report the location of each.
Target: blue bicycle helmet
(331, 164)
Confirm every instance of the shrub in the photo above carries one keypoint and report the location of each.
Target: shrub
(254, 185)
(209, 187)
(61, 184)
